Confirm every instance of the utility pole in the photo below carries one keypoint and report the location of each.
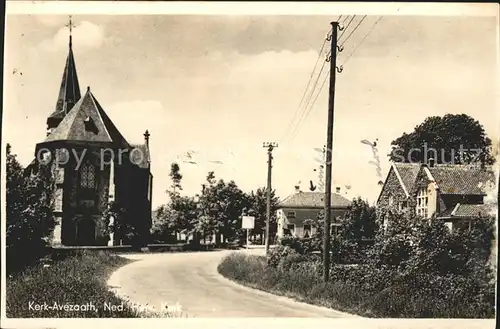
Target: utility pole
(270, 146)
(321, 173)
(329, 149)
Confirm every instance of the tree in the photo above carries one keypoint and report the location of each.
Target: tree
(176, 177)
(453, 138)
(30, 220)
(229, 205)
(358, 228)
(207, 222)
(162, 230)
(175, 215)
(359, 222)
(221, 205)
(258, 208)
(184, 215)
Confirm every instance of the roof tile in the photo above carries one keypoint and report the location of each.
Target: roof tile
(88, 122)
(313, 200)
(408, 173)
(462, 179)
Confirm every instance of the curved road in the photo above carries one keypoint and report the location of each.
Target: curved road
(191, 280)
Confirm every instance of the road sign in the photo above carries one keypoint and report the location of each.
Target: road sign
(247, 222)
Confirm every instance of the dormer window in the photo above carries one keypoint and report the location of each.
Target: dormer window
(90, 125)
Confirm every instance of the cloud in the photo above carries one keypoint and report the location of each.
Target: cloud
(88, 35)
(52, 20)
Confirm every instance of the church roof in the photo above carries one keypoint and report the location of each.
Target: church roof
(69, 92)
(88, 122)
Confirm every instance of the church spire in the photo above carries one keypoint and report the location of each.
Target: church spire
(69, 92)
(70, 26)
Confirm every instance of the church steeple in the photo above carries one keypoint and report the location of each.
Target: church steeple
(69, 92)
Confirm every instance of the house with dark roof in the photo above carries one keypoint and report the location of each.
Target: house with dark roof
(296, 213)
(94, 166)
(453, 193)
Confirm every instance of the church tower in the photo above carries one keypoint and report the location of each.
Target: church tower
(93, 166)
(69, 92)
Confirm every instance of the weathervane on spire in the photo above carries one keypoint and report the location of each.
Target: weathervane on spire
(70, 25)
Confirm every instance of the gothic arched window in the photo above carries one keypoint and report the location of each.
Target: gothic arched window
(87, 186)
(87, 176)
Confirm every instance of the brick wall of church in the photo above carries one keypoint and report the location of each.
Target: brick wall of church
(71, 207)
(102, 200)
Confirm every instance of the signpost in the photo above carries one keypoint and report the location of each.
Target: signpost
(248, 222)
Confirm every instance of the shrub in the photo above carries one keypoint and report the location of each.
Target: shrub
(75, 280)
(241, 267)
(30, 220)
(278, 253)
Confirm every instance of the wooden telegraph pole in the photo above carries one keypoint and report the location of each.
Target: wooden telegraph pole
(328, 158)
(270, 146)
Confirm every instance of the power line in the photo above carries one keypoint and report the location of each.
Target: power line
(354, 30)
(346, 27)
(307, 87)
(362, 40)
(317, 95)
(321, 88)
(306, 112)
(293, 133)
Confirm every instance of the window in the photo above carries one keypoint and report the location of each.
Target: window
(58, 200)
(402, 205)
(290, 214)
(87, 176)
(334, 230)
(422, 202)
(307, 231)
(291, 228)
(449, 225)
(87, 191)
(391, 201)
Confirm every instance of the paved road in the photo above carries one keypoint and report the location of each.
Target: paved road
(191, 281)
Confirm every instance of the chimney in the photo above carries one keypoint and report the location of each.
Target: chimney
(337, 190)
(297, 189)
(431, 163)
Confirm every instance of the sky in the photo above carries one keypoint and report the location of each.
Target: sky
(223, 85)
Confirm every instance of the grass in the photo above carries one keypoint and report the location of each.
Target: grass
(365, 291)
(73, 287)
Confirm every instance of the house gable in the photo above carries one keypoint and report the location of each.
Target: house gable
(393, 187)
(422, 180)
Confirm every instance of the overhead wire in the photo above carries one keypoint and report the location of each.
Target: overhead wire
(362, 40)
(307, 87)
(346, 27)
(308, 104)
(353, 30)
(307, 108)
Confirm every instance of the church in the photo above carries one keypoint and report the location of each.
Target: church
(96, 171)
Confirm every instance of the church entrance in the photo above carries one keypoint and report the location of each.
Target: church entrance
(85, 231)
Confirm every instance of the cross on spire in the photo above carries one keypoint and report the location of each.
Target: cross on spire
(70, 25)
